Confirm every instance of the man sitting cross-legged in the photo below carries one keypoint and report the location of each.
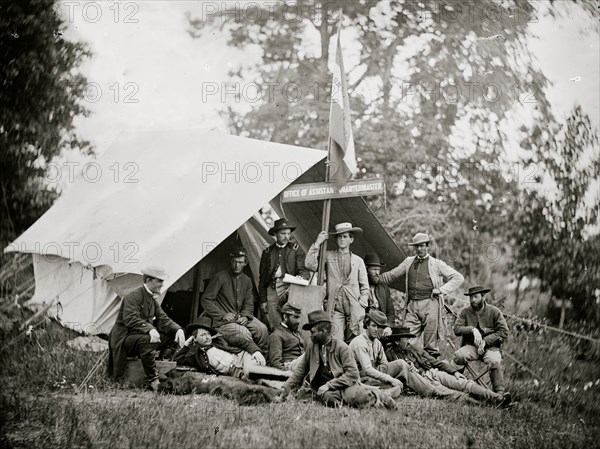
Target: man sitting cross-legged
(229, 302)
(331, 369)
(441, 374)
(208, 352)
(286, 345)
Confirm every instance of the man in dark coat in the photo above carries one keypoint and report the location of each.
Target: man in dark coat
(229, 302)
(141, 328)
(286, 345)
(281, 258)
(379, 294)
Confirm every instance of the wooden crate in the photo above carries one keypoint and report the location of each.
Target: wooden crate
(134, 371)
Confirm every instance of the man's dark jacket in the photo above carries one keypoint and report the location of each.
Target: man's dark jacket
(292, 261)
(386, 304)
(139, 313)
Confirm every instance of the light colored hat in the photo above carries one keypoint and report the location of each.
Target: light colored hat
(155, 271)
(420, 237)
(344, 227)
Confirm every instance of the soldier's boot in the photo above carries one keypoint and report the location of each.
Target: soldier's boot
(497, 378)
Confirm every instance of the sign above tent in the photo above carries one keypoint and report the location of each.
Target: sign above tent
(325, 190)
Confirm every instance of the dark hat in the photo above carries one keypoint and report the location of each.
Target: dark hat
(477, 289)
(291, 308)
(401, 332)
(344, 227)
(280, 224)
(314, 317)
(201, 323)
(420, 237)
(378, 317)
(238, 251)
(372, 260)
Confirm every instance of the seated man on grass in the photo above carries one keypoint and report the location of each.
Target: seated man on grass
(286, 345)
(441, 374)
(372, 362)
(207, 351)
(331, 370)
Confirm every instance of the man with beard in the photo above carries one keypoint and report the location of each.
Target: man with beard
(379, 294)
(483, 330)
(281, 258)
(331, 369)
(427, 280)
(441, 374)
(285, 343)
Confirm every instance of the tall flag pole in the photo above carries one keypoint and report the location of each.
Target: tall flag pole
(340, 150)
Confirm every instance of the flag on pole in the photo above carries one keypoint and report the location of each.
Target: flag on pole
(341, 154)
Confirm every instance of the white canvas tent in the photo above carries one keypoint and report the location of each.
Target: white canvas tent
(162, 198)
(180, 200)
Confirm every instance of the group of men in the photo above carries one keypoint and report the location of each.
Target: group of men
(355, 355)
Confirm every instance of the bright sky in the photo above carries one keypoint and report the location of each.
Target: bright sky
(147, 73)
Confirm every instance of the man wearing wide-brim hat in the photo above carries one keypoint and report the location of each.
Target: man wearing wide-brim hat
(142, 328)
(483, 330)
(229, 302)
(443, 376)
(427, 280)
(207, 351)
(331, 369)
(281, 258)
(347, 282)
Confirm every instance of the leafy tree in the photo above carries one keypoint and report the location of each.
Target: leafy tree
(554, 234)
(40, 96)
(470, 68)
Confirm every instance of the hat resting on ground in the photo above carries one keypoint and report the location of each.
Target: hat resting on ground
(420, 237)
(477, 289)
(340, 228)
(280, 224)
(291, 308)
(201, 323)
(314, 317)
(155, 272)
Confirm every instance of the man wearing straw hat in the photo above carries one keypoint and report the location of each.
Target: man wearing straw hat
(347, 282)
(427, 280)
(141, 328)
(483, 330)
(281, 258)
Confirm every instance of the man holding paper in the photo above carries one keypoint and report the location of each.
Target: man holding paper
(278, 260)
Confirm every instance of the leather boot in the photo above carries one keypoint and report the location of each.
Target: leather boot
(497, 379)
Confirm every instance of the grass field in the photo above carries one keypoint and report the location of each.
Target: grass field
(39, 408)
